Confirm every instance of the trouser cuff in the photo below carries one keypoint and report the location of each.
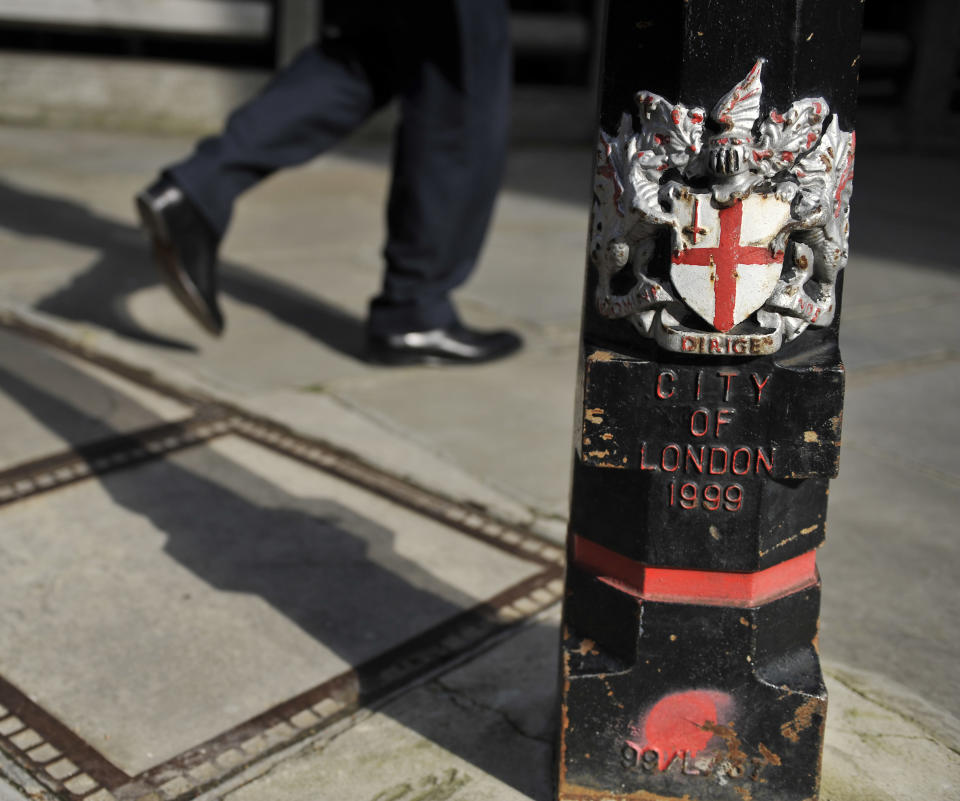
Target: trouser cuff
(392, 318)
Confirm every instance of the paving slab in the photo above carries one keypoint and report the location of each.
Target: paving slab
(893, 509)
(872, 752)
(894, 312)
(889, 594)
(193, 593)
(505, 401)
(483, 731)
(533, 263)
(920, 393)
(78, 400)
(317, 414)
(880, 287)
(473, 734)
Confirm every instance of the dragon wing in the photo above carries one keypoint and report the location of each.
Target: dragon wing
(825, 175)
(612, 167)
(784, 138)
(627, 180)
(739, 108)
(671, 134)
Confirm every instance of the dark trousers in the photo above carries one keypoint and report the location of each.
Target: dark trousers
(448, 64)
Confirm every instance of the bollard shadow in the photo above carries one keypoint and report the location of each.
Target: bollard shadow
(123, 266)
(332, 571)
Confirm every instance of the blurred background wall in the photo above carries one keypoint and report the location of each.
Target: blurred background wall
(180, 65)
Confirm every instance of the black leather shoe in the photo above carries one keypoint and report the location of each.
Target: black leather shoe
(185, 249)
(455, 344)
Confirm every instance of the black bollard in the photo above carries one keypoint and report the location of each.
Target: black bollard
(711, 396)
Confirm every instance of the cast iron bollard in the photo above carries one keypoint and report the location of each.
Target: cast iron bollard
(712, 390)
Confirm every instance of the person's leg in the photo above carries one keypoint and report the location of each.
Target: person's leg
(448, 161)
(323, 95)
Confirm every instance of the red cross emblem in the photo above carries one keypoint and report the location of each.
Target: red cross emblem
(740, 277)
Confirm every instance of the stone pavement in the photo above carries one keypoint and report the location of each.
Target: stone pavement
(257, 568)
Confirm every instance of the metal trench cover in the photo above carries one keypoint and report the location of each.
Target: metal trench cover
(186, 589)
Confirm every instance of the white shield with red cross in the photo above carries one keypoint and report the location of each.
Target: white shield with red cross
(725, 270)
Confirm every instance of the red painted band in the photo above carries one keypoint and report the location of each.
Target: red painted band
(702, 587)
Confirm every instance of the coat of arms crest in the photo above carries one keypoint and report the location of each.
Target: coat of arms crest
(757, 211)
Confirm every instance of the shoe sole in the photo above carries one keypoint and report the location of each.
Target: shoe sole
(176, 278)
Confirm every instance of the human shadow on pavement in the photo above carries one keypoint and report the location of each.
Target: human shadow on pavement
(123, 266)
(97, 295)
(329, 569)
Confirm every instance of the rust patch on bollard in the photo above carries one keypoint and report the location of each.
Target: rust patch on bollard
(802, 719)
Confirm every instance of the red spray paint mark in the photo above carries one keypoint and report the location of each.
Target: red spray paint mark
(680, 724)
